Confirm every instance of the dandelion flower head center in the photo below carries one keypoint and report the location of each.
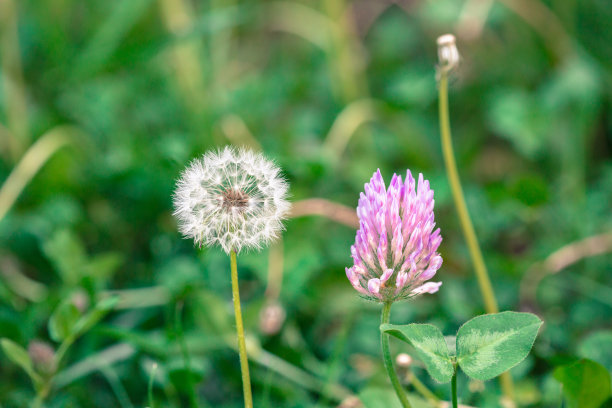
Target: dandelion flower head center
(233, 198)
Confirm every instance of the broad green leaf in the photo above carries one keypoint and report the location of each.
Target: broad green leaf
(597, 347)
(586, 384)
(63, 320)
(377, 397)
(429, 345)
(19, 356)
(67, 254)
(490, 344)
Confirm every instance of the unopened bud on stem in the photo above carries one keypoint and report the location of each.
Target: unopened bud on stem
(403, 360)
(42, 356)
(448, 55)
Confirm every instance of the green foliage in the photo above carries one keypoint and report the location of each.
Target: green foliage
(94, 316)
(68, 256)
(377, 397)
(597, 347)
(63, 320)
(491, 344)
(141, 87)
(486, 346)
(19, 356)
(430, 346)
(586, 384)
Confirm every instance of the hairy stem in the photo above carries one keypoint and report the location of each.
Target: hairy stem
(244, 362)
(484, 282)
(384, 340)
(454, 388)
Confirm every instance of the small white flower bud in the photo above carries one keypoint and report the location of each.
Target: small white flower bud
(351, 402)
(403, 360)
(271, 318)
(448, 55)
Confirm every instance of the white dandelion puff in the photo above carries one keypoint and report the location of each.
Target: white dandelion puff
(234, 198)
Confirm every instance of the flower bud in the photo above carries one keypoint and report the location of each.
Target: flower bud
(42, 356)
(271, 318)
(448, 55)
(80, 300)
(403, 360)
(351, 402)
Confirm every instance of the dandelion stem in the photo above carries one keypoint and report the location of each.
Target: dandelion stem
(244, 362)
(466, 223)
(384, 340)
(484, 282)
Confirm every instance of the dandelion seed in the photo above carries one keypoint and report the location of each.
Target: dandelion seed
(395, 247)
(233, 198)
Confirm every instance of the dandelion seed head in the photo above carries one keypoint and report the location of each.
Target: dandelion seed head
(233, 198)
(395, 250)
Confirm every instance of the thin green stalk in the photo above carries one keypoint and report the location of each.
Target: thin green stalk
(193, 399)
(244, 362)
(484, 282)
(384, 340)
(150, 387)
(423, 390)
(454, 388)
(13, 84)
(464, 217)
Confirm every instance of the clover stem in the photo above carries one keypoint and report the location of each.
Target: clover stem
(244, 362)
(384, 341)
(454, 388)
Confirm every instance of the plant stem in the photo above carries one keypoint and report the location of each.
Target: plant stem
(244, 362)
(484, 282)
(150, 387)
(423, 390)
(454, 388)
(464, 217)
(384, 341)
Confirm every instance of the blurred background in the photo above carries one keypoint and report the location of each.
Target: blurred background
(103, 103)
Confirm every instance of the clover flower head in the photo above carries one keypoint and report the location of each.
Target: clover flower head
(395, 247)
(231, 197)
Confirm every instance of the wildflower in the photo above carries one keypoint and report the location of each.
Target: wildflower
(448, 55)
(395, 249)
(233, 198)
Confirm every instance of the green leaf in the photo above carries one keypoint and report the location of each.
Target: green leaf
(19, 356)
(63, 320)
(491, 344)
(596, 347)
(586, 384)
(429, 345)
(99, 311)
(67, 254)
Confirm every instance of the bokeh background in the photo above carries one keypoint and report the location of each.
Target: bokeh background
(103, 103)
